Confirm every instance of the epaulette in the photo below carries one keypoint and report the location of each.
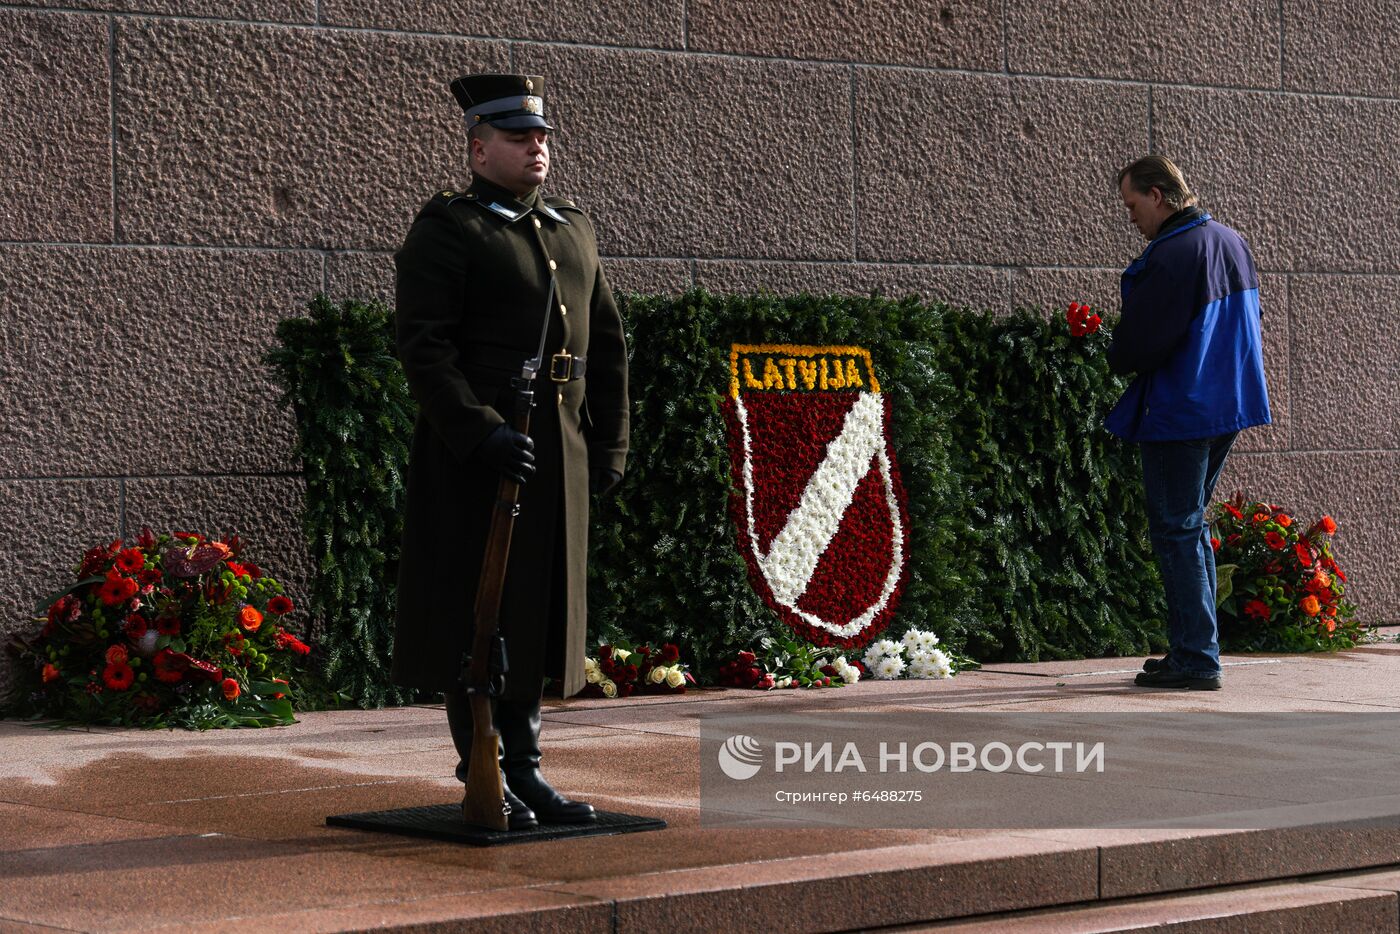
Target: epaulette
(448, 195)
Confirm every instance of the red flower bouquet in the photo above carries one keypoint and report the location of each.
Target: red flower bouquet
(1279, 588)
(169, 631)
(621, 671)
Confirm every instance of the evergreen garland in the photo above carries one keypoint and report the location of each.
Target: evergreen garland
(1028, 536)
(354, 418)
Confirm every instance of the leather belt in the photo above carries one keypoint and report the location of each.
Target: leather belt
(564, 367)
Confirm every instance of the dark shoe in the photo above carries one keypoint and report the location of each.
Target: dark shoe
(459, 722)
(1167, 678)
(1154, 664)
(519, 725)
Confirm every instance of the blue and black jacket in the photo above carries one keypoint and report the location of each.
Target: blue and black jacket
(1190, 331)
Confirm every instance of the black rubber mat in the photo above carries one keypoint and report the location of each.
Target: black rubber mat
(444, 822)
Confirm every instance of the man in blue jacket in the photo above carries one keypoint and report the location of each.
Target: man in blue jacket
(1190, 331)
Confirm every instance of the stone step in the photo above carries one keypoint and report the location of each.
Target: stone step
(1278, 908)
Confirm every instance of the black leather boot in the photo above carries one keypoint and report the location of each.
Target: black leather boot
(519, 724)
(459, 722)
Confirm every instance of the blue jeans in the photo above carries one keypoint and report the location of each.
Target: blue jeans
(1178, 478)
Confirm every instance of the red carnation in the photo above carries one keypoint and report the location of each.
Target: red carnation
(231, 689)
(748, 658)
(285, 640)
(149, 576)
(95, 559)
(669, 652)
(118, 677)
(1275, 541)
(131, 560)
(279, 605)
(1258, 609)
(65, 609)
(1304, 554)
(134, 627)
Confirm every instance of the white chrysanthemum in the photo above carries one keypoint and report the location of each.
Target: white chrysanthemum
(927, 641)
(919, 666)
(911, 641)
(889, 668)
(940, 663)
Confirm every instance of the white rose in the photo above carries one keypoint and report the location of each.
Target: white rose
(589, 664)
(850, 674)
(593, 676)
(675, 678)
(657, 674)
(609, 689)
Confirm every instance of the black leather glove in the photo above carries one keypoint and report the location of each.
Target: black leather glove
(604, 481)
(509, 453)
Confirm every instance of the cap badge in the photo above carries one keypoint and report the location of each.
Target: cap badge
(529, 85)
(532, 105)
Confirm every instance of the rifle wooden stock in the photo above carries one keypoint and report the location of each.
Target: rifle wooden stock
(484, 804)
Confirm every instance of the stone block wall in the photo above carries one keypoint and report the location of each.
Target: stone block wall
(178, 175)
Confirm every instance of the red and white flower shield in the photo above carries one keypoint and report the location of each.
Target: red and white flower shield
(818, 503)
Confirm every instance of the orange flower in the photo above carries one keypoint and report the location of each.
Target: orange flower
(50, 674)
(1309, 605)
(1331, 625)
(231, 689)
(1283, 519)
(249, 618)
(1260, 518)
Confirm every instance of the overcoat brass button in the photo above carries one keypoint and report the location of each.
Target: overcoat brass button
(563, 309)
(553, 264)
(537, 222)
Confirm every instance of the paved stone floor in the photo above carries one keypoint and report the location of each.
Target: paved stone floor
(110, 829)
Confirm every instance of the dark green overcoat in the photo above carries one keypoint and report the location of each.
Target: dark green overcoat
(473, 276)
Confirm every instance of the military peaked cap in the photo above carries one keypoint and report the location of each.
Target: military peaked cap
(511, 102)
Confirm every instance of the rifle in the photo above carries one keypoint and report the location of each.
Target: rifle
(484, 671)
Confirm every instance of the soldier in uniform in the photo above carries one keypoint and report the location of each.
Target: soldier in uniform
(473, 278)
